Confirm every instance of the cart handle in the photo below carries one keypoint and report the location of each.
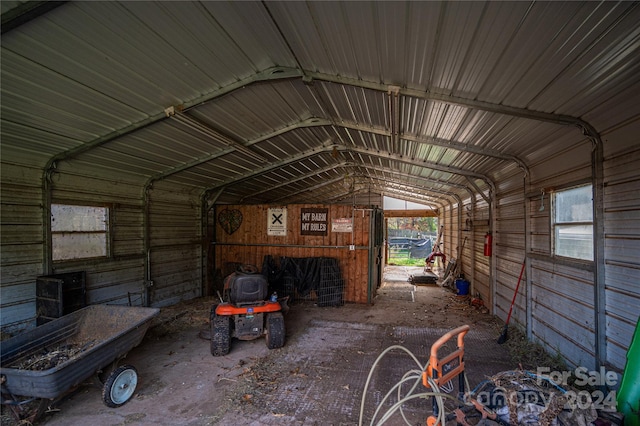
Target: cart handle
(443, 370)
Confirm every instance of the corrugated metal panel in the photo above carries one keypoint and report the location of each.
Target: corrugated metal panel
(435, 42)
(364, 198)
(539, 211)
(586, 30)
(563, 311)
(186, 30)
(453, 231)
(477, 261)
(21, 236)
(112, 281)
(176, 249)
(261, 109)
(94, 62)
(507, 272)
(445, 219)
(82, 181)
(107, 280)
(570, 165)
(7, 5)
(509, 248)
(175, 246)
(611, 111)
(622, 253)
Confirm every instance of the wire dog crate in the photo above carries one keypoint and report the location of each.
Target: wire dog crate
(317, 279)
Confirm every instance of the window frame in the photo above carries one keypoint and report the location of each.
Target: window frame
(555, 224)
(108, 231)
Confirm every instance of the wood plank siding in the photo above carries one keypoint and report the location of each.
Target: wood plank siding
(251, 243)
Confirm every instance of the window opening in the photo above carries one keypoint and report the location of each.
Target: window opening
(573, 223)
(79, 232)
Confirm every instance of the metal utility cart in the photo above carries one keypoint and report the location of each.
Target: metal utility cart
(41, 365)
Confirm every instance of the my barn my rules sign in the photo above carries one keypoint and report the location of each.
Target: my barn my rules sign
(314, 221)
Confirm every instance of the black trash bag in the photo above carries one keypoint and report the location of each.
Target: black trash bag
(301, 276)
(304, 271)
(270, 269)
(279, 280)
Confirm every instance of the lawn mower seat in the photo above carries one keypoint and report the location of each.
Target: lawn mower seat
(246, 285)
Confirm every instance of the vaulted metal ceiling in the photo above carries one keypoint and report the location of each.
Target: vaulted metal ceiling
(286, 102)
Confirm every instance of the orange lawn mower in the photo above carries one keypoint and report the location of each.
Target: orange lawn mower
(245, 312)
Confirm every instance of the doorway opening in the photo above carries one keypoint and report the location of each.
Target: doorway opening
(411, 231)
(410, 239)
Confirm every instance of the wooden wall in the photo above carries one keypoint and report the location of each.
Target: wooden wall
(250, 242)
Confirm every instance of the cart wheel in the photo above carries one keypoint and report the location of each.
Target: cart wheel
(220, 335)
(275, 330)
(120, 386)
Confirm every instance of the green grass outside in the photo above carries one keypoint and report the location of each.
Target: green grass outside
(404, 261)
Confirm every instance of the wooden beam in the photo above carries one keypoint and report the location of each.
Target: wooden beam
(410, 213)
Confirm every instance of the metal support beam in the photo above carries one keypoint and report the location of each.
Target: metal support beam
(285, 73)
(394, 114)
(26, 11)
(439, 202)
(599, 296)
(310, 188)
(426, 140)
(299, 178)
(326, 147)
(477, 188)
(275, 73)
(564, 120)
(398, 185)
(198, 125)
(416, 162)
(420, 178)
(528, 283)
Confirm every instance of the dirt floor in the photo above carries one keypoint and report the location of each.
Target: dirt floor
(317, 378)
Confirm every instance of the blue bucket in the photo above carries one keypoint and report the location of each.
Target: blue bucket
(462, 286)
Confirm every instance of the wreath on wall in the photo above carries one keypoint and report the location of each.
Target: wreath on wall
(230, 220)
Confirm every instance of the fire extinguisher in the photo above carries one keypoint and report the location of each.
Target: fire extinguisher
(488, 240)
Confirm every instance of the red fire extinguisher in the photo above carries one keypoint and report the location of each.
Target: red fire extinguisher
(488, 240)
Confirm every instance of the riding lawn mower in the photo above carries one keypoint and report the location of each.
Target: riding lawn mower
(244, 312)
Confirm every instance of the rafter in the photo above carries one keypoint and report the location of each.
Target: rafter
(285, 73)
(330, 148)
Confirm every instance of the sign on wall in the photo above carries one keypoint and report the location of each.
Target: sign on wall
(277, 221)
(344, 224)
(314, 221)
